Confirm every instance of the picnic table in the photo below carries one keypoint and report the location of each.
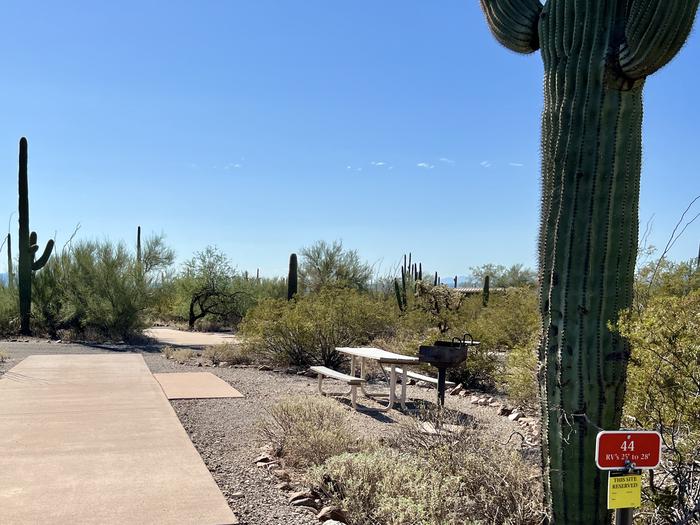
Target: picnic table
(392, 360)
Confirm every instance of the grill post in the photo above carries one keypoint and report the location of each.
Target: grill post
(442, 375)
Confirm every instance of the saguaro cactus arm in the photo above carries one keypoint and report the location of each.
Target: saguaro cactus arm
(514, 23)
(41, 261)
(655, 32)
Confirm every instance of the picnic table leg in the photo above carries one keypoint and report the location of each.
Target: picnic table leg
(404, 380)
(352, 365)
(392, 387)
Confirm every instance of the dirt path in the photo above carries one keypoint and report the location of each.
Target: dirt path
(170, 336)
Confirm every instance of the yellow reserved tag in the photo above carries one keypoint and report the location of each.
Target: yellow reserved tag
(624, 491)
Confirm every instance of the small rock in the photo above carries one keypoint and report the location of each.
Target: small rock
(199, 363)
(237, 495)
(205, 364)
(490, 399)
(332, 513)
(265, 368)
(483, 402)
(463, 393)
(474, 400)
(301, 494)
(281, 474)
(333, 522)
(504, 411)
(305, 502)
(409, 381)
(283, 486)
(423, 384)
(494, 404)
(223, 364)
(456, 390)
(263, 459)
(515, 416)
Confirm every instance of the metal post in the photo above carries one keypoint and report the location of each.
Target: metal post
(623, 516)
(442, 373)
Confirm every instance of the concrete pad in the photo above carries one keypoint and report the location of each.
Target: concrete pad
(195, 339)
(91, 439)
(195, 385)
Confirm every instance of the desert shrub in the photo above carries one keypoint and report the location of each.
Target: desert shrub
(230, 353)
(389, 488)
(520, 375)
(663, 393)
(4, 356)
(307, 330)
(183, 355)
(511, 319)
(9, 310)
(168, 351)
(448, 478)
(307, 430)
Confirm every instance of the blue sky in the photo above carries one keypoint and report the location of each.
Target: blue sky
(261, 126)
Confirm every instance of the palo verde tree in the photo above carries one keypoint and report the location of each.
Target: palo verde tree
(597, 55)
(208, 285)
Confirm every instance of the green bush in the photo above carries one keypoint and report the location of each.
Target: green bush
(307, 430)
(511, 319)
(97, 290)
(307, 330)
(520, 376)
(663, 393)
(9, 311)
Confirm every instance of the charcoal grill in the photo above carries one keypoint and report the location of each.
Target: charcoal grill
(444, 355)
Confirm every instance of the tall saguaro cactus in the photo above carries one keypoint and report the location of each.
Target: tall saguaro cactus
(597, 55)
(27, 245)
(10, 273)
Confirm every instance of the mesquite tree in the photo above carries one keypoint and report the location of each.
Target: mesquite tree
(597, 55)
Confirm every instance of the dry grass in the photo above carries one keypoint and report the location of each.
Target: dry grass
(307, 430)
(232, 354)
(4, 356)
(183, 355)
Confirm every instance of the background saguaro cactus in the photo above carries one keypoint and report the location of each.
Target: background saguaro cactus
(485, 292)
(596, 58)
(27, 245)
(293, 278)
(10, 272)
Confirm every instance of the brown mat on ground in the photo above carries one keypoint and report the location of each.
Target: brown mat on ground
(195, 385)
(91, 439)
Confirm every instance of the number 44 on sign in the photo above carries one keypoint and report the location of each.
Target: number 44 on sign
(623, 453)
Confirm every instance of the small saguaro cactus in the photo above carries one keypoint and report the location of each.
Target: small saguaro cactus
(292, 279)
(485, 293)
(27, 245)
(597, 55)
(10, 273)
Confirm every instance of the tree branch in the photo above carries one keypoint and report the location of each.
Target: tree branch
(514, 23)
(656, 30)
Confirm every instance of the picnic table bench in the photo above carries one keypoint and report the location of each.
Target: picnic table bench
(353, 381)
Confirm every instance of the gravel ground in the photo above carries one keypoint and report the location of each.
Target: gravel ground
(224, 430)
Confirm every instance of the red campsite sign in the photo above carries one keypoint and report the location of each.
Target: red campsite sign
(614, 447)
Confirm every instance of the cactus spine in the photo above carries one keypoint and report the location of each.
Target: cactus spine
(10, 273)
(485, 293)
(27, 245)
(292, 279)
(596, 56)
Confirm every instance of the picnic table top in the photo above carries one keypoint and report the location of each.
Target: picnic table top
(378, 355)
